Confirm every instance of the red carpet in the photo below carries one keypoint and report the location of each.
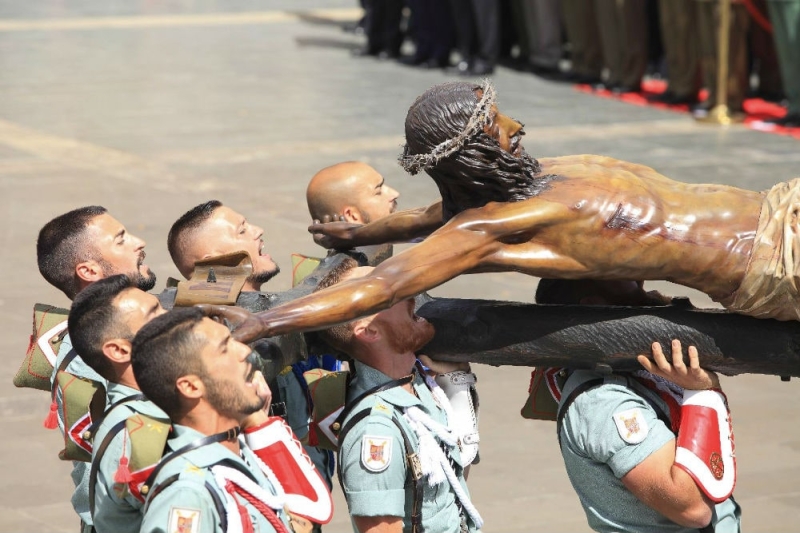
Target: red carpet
(756, 109)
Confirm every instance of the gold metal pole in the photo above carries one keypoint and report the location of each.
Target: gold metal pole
(720, 113)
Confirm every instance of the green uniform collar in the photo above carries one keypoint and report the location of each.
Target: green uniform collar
(368, 377)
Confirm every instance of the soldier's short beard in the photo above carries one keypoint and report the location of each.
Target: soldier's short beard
(259, 278)
(225, 398)
(144, 282)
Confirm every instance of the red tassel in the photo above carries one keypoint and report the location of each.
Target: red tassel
(123, 473)
(51, 422)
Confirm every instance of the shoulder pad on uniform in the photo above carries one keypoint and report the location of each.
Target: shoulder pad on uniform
(49, 328)
(382, 408)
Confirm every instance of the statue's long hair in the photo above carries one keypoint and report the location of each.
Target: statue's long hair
(479, 173)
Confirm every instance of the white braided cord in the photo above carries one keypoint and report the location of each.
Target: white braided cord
(223, 474)
(433, 461)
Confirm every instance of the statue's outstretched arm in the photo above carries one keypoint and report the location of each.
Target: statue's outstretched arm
(402, 226)
(442, 256)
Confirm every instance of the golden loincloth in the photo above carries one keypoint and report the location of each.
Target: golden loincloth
(771, 284)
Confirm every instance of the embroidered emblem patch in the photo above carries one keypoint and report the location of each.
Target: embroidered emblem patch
(183, 520)
(631, 425)
(717, 466)
(376, 453)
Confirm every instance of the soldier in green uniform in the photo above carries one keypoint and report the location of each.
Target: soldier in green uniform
(708, 33)
(785, 17)
(399, 461)
(678, 33)
(632, 442)
(103, 320)
(73, 251)
(191, 367)
(580, 24)
(623, 32)
(212, 229)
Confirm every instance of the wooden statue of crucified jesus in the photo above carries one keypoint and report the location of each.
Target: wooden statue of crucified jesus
(574, 217)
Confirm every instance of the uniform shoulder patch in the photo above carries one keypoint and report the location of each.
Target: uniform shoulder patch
(631, 425)
(382, 409)
(376, 453)
(183, 520)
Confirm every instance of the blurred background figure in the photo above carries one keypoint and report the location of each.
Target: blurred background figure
(583, 34)
(785, 18)
(678, 35)
(382, 27)
(538, 28)
(477, 25)
(434, 35)
(738, 70)
(623, 33)
(763, 55)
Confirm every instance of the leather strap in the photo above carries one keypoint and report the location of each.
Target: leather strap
(374, 390)
(96, 423)
(197, 443)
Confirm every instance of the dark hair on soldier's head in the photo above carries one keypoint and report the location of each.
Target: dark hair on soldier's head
(94, 319)
(341, 335)
(165, 349)
(62, 245)
(481, 171)
(189, 221)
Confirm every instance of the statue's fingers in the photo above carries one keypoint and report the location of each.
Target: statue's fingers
(216, 312)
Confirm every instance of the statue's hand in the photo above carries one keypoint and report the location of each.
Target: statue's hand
(692, 377)
(245, 326)
(333, 233)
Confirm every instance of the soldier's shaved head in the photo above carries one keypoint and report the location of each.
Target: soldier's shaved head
(352, 190)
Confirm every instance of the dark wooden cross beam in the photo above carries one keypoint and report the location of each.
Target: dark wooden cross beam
(605, 337)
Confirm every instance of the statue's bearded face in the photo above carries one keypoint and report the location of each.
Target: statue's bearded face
(505, 130)
(471, 150)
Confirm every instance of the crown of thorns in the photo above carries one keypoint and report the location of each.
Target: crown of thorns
(480, 117)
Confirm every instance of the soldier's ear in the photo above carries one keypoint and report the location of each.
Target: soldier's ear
(89, 271)
(191, 386)
(118, 350)
(366, 331)
(352, 215)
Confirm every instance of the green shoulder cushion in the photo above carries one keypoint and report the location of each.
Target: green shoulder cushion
(328, 391)
(49, 328)
(541, 404)
(77, 394)
(302, 266)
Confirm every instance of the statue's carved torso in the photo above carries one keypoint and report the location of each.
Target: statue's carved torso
(606, 218)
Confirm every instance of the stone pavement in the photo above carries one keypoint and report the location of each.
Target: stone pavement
(150, 108)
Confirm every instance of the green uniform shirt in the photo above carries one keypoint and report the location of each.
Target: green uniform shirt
(115, 508)
(597, 456)
(80, 470)
(372, 457)
(187, 504)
